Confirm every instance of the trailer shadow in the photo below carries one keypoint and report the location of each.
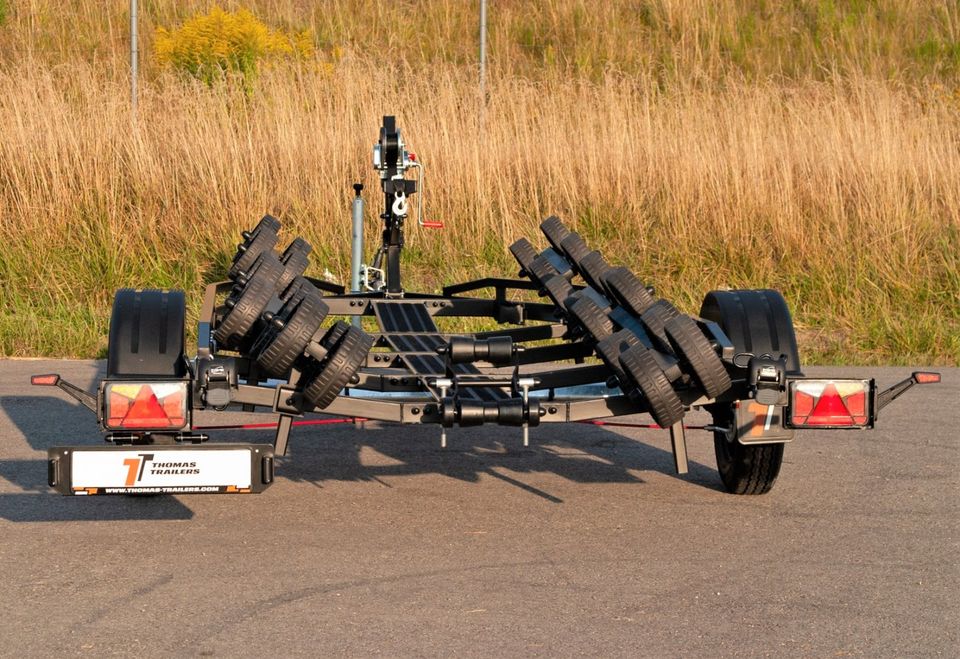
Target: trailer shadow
(45, 421)
(576, 452)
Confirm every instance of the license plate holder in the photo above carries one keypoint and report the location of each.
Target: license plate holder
(161, 469)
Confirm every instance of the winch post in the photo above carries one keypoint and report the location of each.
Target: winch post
(356, 261)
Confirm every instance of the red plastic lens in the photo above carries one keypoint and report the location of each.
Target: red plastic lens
(146, 405)
(830, 403)
(927, 378)
(45, 380)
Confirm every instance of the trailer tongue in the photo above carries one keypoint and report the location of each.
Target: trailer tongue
(271, 338)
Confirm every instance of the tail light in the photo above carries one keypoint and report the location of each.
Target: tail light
(145, 405)
(831, 404)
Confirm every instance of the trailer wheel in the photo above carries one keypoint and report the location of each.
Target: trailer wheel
(693, 348)
(666, 408)
(744, 468)
(146, 334)
(343, 361)
(244, 309)
(755, 321)
(555, 231)
(295, 260)
(655, 319)
(277, 350)
(262, 239)
(574, 248)
(627, 289)
(591, 317)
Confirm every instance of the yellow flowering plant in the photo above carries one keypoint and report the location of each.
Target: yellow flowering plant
(209, 46)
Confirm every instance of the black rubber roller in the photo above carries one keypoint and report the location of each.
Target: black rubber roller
(593, 268)
(655, 319)
(624, 287)
(610, 349)
(555, 231)
(295, 260)
(641, 367)
(697, 356)
(263, 238)
(574, 248)
(244, 307)
(330, 376)
(287, 333)
(591, 317)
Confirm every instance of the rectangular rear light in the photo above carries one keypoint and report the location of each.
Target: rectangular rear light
(145, 405)
(831, 404)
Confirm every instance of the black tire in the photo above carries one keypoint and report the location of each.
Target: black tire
(593, 267)
(610, 349)
(267, 268)
(295, 260)
(655, 320)
(343, 361)
(524, 253)
(574, 248)
(696, 353)
(591, 317)
(281, 348)
(555, 231)
(147, 334)
(298, 288)
(755, 321)
(627, 290)
(665, 406)
(262, 239)
(558, 289)
(244, 309)
(744, 468)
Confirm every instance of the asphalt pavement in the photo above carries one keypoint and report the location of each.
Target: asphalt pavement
(373, 540)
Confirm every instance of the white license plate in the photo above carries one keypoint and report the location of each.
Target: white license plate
(213, 468)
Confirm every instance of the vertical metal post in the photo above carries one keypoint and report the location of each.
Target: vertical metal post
(357, 253)
(133, 58)
(678, 438)
(483, 47)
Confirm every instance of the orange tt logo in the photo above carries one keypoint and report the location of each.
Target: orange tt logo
(135, 467)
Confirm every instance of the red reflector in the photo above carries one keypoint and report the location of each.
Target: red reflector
(45, 380)
(926, 378)
(146, 406)
(830, 403)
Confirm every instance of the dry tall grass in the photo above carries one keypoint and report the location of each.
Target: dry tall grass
(842, 189)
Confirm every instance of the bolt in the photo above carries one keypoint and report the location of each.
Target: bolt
(231, 303)
(415, 410)
(241, 248)
(290, 401)
(553, 410)
(246, 235)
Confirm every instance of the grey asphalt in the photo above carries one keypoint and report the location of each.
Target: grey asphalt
(374, 541)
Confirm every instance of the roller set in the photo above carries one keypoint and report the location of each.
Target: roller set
(598, 344)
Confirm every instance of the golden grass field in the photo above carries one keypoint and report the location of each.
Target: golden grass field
(812, 147)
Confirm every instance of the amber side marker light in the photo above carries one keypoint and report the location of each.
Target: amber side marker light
(49, 380)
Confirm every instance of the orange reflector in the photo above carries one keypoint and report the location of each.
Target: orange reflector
(926, 378)
(145, 405)
(49, 380)
(830, 403)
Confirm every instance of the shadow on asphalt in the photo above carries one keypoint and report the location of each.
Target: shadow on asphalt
(575, 452)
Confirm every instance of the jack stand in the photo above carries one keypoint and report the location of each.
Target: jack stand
(678, 438)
